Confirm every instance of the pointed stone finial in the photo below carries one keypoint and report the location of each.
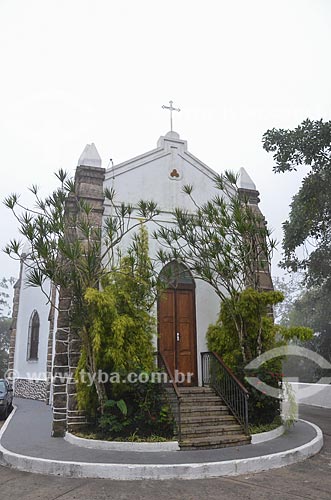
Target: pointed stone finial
(90, 157)
(244, 181)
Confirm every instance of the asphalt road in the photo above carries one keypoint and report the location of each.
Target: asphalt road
(307, 480)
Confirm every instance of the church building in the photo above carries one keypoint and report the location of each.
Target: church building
(41, 340)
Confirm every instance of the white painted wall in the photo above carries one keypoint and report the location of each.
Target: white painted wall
(31, 299)
(149, 177)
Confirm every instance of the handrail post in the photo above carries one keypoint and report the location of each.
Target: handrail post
(246, 414)
(179, 422)
(202, 370)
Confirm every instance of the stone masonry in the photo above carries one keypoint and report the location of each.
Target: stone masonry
(16, 301)
(89, 182)
(31, 389)
(51, 319)
(252, 195)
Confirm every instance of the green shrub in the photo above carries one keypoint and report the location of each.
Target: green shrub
(252, 310)
(146, 413)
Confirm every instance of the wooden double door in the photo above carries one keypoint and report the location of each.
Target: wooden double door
(177, 332)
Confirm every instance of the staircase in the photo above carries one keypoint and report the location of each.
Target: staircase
(206, 422)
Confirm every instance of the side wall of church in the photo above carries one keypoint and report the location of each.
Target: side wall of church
(30, 376)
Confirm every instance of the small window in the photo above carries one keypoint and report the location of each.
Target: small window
(33, 338)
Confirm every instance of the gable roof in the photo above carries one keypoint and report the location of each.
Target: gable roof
(166, 145)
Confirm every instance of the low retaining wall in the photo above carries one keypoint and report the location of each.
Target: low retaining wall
(96, 444)
(30, 389)
(262, 437)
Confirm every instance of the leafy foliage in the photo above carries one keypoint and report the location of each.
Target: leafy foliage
(67, 247)
(5, 284)
(146, 413)
(4, 344)
(118, 328)
(253, 309)
(308, 144)
(307, 231)
(257, 429)
(5, 323)
(307, 243)
(311, 309)
(114, 420)
(291, 287)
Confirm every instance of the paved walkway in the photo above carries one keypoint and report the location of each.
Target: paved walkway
(310, 480)
(28, 433)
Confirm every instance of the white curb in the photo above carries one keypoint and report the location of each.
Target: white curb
(262, 437)
(97, 444)
(161, 471)
(8, 419)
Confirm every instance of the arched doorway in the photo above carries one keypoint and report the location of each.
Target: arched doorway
(177, 322)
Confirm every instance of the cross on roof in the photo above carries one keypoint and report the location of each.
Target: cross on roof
(171, 109)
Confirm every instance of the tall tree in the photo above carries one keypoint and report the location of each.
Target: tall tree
(5, 285)
(67, 248)
(312, 309)
(307, 232)
(117, 327)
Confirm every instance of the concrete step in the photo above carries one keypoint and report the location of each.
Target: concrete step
(215, 441)
(214, 430)
(199, 411)
(200, 400)
(206, 422)
(195, 390)
(202, 420)
(202, 404)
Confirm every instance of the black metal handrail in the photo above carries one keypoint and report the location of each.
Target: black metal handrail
(173, 391)
(221, 378)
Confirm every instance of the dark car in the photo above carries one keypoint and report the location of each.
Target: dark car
(6, 398)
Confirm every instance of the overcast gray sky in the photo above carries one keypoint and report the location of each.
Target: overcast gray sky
(80, 71)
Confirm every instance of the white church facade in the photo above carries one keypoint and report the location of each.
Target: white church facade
(41, 341)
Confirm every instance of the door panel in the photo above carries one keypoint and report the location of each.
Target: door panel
(177, 315)
(167, 328)
(185, 319)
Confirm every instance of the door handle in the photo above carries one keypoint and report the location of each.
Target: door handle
(178, 336)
